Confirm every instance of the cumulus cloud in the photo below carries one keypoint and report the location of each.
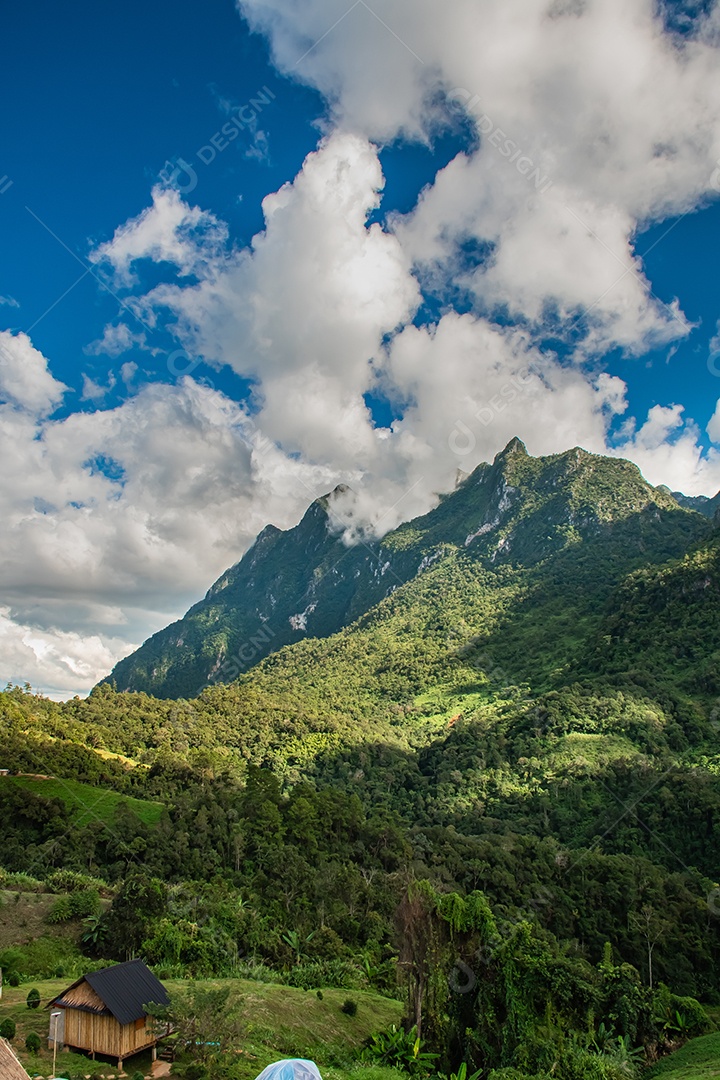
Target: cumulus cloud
(713, 428)
(168, 231)
(616, 117)
(25, 380)
(668, 452)
(117, 339)
(118, 519)
(95, 391)
(305, 309)
(55, 662)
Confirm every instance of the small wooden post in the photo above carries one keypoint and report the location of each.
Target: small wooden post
(55, 1016)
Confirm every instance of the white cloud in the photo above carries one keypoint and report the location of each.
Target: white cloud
(168, 231)
(713, 427)
(9, 301)
(619, 115)
(667, 450)
(116, 340)
(128, 371)
(94, 391)
(25, 381)
(55, 663)
(305, 309)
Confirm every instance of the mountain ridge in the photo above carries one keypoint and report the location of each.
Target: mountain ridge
(307, 582)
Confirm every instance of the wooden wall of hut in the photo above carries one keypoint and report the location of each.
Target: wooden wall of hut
(103, 1034)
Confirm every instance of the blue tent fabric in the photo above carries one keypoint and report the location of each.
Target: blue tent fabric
(291, 1069)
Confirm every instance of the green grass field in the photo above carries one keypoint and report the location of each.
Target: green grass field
(280, 1021)
(86, 802)
(698, 1059)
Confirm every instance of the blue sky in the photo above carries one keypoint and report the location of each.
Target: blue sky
(102, 99)
(95, 122)
(181, 363)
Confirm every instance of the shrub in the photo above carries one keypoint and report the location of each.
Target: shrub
(70, 881)
(7, 1029)
(319, 995)
(13, 979)
(138, 1075)
(41, 958)
(33, 999)
(400, 1050)
(20, 881)
(349, 1007)
(33, 1043)
(338, 973)
(61, 911)
(83, 903)
(196, 1071)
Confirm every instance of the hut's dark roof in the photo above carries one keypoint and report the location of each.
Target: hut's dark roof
(124, 989)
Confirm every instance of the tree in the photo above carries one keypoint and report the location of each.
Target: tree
(33, 999)
(208, 1022)
(652, 926)
(416, 922)
(140, 900)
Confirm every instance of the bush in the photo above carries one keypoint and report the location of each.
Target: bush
(33, 999)
(70, 881)
(349, 1007)
(257, 971)
(138, 1076)
(61, 911)
(13, 979)
(400, 1050)
(319, 995)
(33, 1043)
(83, 903)
(336, 973)
(41, 958)
(196, 1071)
(8, 1029)
(20, 881)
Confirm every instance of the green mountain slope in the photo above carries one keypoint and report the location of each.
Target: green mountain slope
(702, 503)
(503, 522)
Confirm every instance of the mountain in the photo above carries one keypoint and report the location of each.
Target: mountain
(502, 524)
(702, 503)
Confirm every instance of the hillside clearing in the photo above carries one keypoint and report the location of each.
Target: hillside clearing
(698, 1059)
(86, 802)
(281, 1021)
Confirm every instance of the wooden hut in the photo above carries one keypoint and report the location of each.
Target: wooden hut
(105, 1011)
(10, 1067)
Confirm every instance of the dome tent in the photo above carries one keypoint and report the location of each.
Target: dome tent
(291, 1069)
